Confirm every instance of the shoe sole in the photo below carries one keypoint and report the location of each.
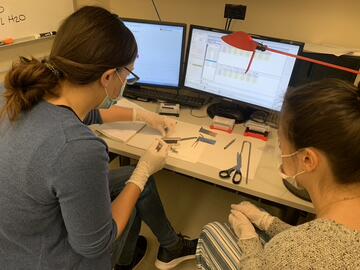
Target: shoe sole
(165, 266)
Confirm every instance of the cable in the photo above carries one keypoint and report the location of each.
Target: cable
(156, 10)
(226, 23)
(228, 27)
(259, 116)
(197, 116)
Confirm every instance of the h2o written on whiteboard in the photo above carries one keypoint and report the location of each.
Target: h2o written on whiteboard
(24, 18)
(10, 18)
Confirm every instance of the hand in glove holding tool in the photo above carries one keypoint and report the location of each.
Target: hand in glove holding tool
(152, 161)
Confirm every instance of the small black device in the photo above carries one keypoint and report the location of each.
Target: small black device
(234, 11)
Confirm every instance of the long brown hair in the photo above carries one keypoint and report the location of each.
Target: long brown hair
(326, 115)
(89, 42)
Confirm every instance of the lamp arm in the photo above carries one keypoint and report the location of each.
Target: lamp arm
(315, 61)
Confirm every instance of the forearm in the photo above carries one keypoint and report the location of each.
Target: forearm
(123, 206)
(116, 113)
(276, 227)
(252, 250)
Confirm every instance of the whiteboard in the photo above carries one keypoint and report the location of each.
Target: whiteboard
(26, 18)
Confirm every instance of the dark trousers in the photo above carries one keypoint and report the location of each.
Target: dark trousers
(148, 209)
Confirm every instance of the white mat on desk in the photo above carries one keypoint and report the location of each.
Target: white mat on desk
(120, 131)
(185, 149)
(221, 158)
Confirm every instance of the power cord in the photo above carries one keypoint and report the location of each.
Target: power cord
(156, 10)
(197, 116)
(227, 24)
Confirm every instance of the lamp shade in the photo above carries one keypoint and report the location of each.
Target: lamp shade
(241, 41)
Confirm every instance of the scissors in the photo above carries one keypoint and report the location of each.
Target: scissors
(236, 179)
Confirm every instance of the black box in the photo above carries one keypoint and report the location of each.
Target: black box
(235, 11)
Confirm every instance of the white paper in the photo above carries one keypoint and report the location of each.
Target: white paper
(222, 159)
(120, 131)
(186, 150)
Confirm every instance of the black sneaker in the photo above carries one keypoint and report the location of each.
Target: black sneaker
(168, 258)
(140, 251)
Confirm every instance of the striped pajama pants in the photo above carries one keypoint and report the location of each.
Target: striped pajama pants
(217, 248)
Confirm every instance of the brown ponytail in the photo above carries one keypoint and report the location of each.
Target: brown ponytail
(27, 82)
(89, 42)
(326, 115)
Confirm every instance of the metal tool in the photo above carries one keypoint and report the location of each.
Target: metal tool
(237, 177)
(201, 138)
(207, 132)
(248, 160)
(158, 147)
(175, 140)
(197, 140)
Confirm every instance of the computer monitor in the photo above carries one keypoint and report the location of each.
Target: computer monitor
(160, 52)
(216, 68)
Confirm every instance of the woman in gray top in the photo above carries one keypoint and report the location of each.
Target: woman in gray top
(55, 201)
(319, 137)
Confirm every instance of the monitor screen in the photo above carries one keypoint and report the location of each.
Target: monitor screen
(160, 52)
(217, 68)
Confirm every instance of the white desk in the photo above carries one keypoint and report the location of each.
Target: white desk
(267, 183)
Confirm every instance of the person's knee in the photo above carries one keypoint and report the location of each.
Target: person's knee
(118, 178)
(213, 226)
(211, 229)
(150, 186)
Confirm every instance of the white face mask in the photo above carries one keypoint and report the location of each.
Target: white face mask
(290, 179)
(108, 101)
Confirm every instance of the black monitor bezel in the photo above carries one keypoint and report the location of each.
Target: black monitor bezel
(181, 70)
(206, 28)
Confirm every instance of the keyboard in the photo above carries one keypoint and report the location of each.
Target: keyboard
(157, 95)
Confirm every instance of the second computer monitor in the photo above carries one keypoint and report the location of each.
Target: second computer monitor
(160, 52)
(216, 68)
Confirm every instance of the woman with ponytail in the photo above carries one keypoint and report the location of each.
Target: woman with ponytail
(60, 207)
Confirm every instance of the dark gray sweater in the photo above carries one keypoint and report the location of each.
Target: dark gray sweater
(55, 209)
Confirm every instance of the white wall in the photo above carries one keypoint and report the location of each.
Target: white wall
(318, 21)
(38, 48)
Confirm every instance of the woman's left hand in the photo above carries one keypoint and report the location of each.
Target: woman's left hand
(165, 125)
(241, 225)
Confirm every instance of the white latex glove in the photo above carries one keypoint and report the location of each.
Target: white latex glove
(241, 225)
(260, 218)
(165, 125)
(152, 161)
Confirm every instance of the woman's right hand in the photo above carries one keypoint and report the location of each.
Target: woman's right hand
(260, 218)
(152, 161)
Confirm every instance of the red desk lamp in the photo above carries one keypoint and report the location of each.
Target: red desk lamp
(245, 42)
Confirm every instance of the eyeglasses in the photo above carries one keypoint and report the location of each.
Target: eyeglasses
(132, 78)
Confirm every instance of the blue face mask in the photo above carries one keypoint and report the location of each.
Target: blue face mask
(108, 101)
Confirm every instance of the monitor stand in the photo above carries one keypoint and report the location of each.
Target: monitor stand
(229, 110)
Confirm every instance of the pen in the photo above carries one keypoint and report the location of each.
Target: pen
(230, 143)
(46, 34)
